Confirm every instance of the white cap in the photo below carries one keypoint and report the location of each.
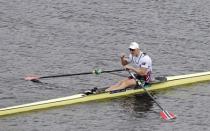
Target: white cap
(134, 45)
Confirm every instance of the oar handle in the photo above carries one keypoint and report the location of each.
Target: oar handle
(113, 71)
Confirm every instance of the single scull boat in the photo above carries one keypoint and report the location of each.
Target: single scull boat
(171, 81)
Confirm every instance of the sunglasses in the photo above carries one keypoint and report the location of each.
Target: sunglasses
(132, 49)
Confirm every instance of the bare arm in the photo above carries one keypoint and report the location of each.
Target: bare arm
(140, 71)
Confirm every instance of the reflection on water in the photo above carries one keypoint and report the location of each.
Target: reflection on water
(142, 103)
(138, 104)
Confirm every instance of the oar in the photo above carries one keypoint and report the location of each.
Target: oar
(96, 71)
(164, 114)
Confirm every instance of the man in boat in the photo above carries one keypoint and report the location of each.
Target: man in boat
(142, 68)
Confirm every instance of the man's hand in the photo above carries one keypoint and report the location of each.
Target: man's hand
(123, 59)
(139, 71)
(128, 67)
(122, 56)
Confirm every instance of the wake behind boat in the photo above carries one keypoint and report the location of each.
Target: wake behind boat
(171, 81)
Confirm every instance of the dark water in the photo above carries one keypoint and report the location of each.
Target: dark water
(72, 36)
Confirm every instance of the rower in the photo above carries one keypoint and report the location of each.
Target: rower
(142, 68)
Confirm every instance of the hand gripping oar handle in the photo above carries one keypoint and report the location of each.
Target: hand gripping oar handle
(96, 71)
(164, 114)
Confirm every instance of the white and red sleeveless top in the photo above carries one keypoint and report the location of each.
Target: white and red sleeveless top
(143, 60)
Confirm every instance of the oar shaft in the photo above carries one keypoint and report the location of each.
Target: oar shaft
(153, 99)
(97, 71)
(164, 114)
(64, 75)
(146, 91)
(113, 71)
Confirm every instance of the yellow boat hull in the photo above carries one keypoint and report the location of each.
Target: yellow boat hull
(80, 98)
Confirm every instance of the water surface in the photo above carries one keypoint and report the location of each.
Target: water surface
(62, 36)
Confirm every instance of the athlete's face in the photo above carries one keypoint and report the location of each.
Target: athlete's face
(134, 52)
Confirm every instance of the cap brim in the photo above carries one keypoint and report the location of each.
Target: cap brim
(131, 47)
